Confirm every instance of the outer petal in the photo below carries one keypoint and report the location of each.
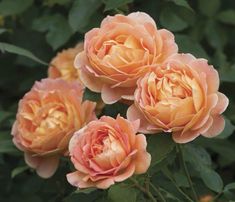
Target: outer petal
(142, 18)
(142, 159)
(77, 179)
(87, 79)
(212, 77)
(221, 104)
(216, 128)
(188, 136)
(133, 113)
(47, 166)
(126, 174)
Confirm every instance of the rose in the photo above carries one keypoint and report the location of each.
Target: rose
(119, 52)
(62, 65)
(107, 151)
(180, 96)
(47, 117)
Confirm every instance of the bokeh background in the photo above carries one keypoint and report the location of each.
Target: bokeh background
(205, 28)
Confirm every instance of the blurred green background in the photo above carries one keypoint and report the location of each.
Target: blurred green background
(205, 28)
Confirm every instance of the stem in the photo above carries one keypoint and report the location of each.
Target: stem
(181, 156)
(178, 188)
(148, 193)
(157, 191)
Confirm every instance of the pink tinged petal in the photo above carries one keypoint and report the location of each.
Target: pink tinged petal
(133, 114)
(31, 161)
(222, 104)
(216, 128)
(212, 77)
(136, 125)
(188, 136)
(142, 18)
(47, 166)
(77, 179)
(109, 95)
(207, 125)
(141, 142)
(127, 172)
(86, 77)
(105, 184)
(182, 58)
(74, 139)
(142, 162)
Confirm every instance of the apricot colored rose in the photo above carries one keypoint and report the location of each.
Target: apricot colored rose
(180, 96)
(47, 117)
(122, 50)
(107, 151)
(62, 65)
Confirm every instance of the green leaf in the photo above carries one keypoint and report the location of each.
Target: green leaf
(90, 95)
(212, 180)
(227, 17)
(20, 51)
(201, 161)
(122, 192)
(187, 45)
(215, 34)
(6, 146)
(197, 156)
(159, 146)
(209, 8)
(85, 191)
(182, 3)
(58, 30)
(80, 13)
(227, 73)
(113, 4)
(228, 130)
(171, 20)
(229, 191)
(13, 7)
(18, 170)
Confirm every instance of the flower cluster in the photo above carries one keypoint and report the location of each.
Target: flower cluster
(127, 59)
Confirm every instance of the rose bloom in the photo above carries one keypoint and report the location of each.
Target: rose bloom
(62, 66)
(47, 117)
(123, 49)
(181, 97)
(107, 151)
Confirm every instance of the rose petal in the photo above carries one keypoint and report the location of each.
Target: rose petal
(216, 128)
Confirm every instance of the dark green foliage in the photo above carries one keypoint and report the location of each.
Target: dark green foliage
(35, 30)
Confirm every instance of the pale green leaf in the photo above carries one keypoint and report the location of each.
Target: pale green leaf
(18, 170)
(5, 47)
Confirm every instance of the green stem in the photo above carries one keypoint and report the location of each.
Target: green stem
(157, 191)
(148, 193)
(177, 187)
(181, 156)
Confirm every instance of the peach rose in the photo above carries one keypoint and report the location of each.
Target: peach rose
(47, 117)
(180, 96)
(119, 52)
(62, 66)
(107, 151)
